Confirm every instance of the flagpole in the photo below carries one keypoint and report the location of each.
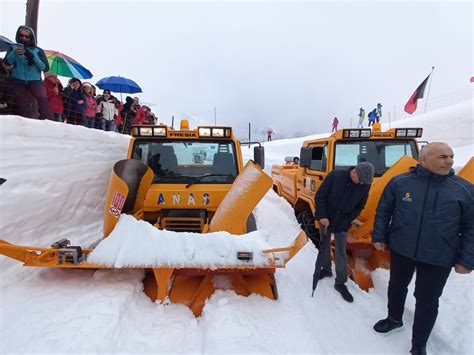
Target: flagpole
(429, 87)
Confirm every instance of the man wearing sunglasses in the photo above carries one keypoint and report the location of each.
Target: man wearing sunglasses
(28, 62)
(339, 200)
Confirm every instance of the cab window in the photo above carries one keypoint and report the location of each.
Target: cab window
(318, 158)
(381, 153)
(185, 161)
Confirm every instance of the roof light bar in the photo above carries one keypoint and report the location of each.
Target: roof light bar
(204, 131)
(146, 131)
(409, 132)
(356, 133)
(149, 131)
(159, 131)
(215, 132)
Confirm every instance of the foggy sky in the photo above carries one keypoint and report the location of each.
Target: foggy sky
(291, 66)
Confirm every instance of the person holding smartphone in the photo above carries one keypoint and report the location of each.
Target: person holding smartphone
(28, 62)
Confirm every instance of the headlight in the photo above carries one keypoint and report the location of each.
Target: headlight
(204, 132)
(146, 131)
(218, 132)
(365, 133)
(354, 134)
(401, 133)
(159, 131)
(411, 132)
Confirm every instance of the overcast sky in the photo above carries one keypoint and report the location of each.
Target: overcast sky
(291, 66)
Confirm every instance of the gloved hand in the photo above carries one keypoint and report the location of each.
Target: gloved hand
(30, 56)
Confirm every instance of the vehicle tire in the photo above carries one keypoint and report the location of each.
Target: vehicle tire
(306, 220)
(251, 223)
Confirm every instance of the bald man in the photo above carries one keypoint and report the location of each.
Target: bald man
(426, 218)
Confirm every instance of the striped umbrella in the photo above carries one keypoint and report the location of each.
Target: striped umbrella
(63, 65)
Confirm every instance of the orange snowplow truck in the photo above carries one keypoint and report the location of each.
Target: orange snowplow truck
(186, 180)
(391, 152)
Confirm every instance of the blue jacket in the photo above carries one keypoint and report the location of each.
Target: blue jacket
(72, 97)
(428, 217)
(22, 72)
(372, 114)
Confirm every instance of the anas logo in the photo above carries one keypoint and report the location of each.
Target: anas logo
(407, 197)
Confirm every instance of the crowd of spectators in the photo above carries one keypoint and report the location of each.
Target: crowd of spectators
(78, 104)
(23, 92)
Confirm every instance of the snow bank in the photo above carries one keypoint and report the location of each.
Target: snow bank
(57, 176)
(135, 243)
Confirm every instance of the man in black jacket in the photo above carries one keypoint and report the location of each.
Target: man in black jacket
(339, 200)
(426, 218)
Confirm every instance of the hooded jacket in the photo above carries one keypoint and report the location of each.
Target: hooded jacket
(22, 71)
(428, 217)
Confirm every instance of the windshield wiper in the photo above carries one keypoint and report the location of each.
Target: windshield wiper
(167, 177)
(199, 178)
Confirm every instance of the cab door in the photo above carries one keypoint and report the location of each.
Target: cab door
(316, 172)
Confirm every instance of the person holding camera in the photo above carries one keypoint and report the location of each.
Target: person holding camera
(28, 62)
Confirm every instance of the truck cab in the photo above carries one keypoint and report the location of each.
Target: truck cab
(193, 171)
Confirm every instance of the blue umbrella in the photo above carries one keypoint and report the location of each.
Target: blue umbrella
(5, 43)
(118, 84)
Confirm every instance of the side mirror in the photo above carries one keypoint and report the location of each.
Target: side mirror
(259, 156)
(305, 157)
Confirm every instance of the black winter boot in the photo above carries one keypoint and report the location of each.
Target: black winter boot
(342, 289)
(418, 350)
(387, 325)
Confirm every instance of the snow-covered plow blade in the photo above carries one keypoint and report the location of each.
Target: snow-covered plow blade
(180, 267)
(186, 284)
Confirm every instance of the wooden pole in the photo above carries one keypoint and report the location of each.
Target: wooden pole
(31, 18)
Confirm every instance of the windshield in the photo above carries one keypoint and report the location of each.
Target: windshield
(381, 153)
(188, 161)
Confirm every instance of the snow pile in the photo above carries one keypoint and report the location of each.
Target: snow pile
(135, 243)
(57, 177)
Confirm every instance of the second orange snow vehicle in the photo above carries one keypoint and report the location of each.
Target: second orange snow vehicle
(185, 181)
(391, 152)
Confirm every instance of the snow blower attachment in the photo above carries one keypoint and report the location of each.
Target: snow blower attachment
(163, 183)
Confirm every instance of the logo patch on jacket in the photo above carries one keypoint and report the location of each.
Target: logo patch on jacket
(407, 197)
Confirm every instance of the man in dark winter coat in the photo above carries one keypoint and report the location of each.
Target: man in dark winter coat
(426, 218)
(339, 200)
(28, 62)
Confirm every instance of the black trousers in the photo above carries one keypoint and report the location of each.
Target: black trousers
(429, 284)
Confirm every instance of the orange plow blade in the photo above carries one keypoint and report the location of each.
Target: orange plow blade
(467, 172)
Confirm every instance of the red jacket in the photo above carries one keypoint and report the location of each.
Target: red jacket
(118, 120)
(55, 99)
(140, 117)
